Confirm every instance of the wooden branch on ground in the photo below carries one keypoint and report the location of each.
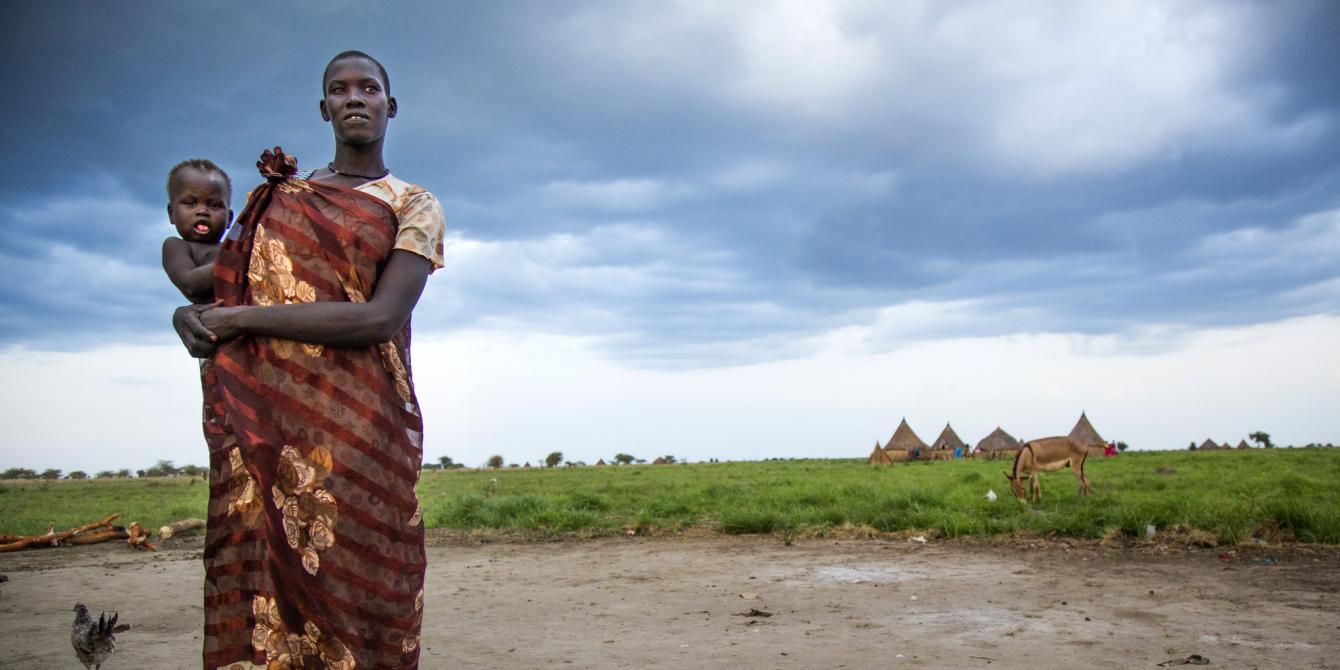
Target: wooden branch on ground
(96, 536)
(176, 527)
(53, 539)
(139, 537)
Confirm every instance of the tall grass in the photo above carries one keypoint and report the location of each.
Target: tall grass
(1288, 493)
(27, 507)
(1232, 494)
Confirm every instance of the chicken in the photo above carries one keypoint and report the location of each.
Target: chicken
(94, 642)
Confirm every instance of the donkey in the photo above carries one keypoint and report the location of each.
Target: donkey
(1048, 453)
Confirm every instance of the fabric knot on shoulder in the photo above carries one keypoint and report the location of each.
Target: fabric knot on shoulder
(277, 166)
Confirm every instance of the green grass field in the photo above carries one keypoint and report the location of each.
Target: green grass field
(1231, 494)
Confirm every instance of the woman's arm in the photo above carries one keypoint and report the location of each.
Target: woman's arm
(337, 324)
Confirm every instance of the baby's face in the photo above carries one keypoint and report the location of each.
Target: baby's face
(199, 206)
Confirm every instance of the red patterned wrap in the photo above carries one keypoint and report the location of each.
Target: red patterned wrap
(314, 553)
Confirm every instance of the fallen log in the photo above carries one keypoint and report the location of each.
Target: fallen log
(139, 537)
(176, 527)
(96, 536)
(53, 539)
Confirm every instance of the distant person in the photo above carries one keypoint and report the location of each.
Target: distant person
(1110, 449)
(314, 551)
(198, 196)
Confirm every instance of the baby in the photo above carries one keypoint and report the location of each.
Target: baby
(198, 196)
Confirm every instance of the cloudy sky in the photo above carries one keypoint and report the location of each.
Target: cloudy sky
(708, 229)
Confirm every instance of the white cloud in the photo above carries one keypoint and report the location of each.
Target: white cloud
(617, 195)
(620, 258)
(484, 389)
(1036, 88)
(1312, 241)
(798, 56)
(575, 282)
(486, 392)
(109, 216)
(751, 175)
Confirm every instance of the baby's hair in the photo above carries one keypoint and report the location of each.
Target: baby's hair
(201, 164)
(386, 79)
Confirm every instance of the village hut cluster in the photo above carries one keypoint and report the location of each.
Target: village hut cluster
(904, 445)
(1211, 445)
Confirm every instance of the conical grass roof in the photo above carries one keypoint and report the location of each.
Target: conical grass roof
(904, 438)
(878, 456)
(1208, 444)
(1084, 433)
(998, 440)
(948, 440)
(1243, 445)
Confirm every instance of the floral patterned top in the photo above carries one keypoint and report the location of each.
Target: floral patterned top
(423, 225)
(422, 222)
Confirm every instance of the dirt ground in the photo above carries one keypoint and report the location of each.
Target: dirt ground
(755, 603)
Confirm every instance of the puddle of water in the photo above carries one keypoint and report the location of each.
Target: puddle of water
(855, 574)
(1253, 644)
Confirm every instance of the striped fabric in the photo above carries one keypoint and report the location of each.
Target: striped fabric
(314, 554)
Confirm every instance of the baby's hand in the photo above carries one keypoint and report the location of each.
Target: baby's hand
(197, 338)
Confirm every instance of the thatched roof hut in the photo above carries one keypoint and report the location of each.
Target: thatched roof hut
(898, 455)
(600, 462)
(903, 438)
(1208, 445)
(1084, 433)
(948, 440)
(998, 440)
(1243, 445)
(878, 456)
(659, 461)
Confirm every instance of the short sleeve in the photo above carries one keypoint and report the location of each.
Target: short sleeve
(422, 228)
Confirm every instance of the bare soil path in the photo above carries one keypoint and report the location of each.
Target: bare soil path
(754, 603)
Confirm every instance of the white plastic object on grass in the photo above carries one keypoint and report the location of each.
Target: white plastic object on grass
(991, 495)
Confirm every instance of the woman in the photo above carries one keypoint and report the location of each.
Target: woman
(314, 554)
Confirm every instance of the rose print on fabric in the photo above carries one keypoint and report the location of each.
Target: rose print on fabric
(243, 495)
(308, 510)
(273, 283)
(311, 650)
(411, 641)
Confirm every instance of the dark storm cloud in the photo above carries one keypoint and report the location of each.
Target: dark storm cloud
(688, 183)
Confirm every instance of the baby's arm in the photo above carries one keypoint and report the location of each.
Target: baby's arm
(194, 282)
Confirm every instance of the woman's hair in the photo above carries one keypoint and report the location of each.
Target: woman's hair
(343, 55)
(201, 164)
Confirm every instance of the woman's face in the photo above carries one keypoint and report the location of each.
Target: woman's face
(356, 104)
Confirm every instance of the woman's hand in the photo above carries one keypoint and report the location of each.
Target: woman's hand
(198, 339)
(222, 323)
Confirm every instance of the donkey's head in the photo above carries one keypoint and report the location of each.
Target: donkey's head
(1017, 486)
